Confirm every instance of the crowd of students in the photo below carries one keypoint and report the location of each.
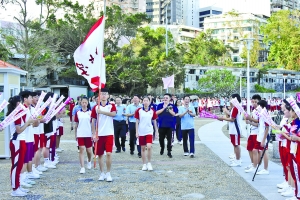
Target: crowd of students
(257, 141)
(97, 128)
(103, 122)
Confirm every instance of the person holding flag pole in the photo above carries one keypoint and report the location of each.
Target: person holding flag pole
(88, 57)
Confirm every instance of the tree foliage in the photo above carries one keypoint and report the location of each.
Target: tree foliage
(204, 50)
(282, 32)
(37, 45)
(220, 82)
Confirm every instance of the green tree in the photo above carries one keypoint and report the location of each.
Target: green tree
(204, 50)
(282, 32)
(5, 53)
(37, 45)
(220, 82)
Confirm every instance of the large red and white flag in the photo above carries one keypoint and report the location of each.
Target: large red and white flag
(89, 57)
(168, 82)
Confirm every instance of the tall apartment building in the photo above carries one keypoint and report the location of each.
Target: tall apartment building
(208, 12)
(232, 29)
(181, 12)
(277, 5)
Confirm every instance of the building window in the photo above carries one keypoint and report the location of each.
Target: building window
(207, 12)
(192, 71)
(197, 78)
(201, 19)
(215, 12)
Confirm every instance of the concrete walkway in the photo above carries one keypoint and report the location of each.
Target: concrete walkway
(212, 136)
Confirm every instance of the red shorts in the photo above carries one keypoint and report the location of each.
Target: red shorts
(259, 147)
(85, 141)
(146, 139)
(49, 140)
(60, 130)
(251, 142)
(235, 139)
(39, 141)
(105, 143)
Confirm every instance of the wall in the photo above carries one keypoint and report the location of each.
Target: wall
(75, 91)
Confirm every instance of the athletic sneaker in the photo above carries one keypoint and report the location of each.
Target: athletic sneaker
(108, 177)
(192, 155)
(248, 167)
(32, 175)
(89, 165)
(82, 170)
(123, 149)
(170, 155)
(250, 170)
(289, 193)
(41, 168)
(181, 142)
(34, 170)
(49, 165)
(144, 167)
(18, 193)
(59, 150)
(24, 184)
(102, 177)
(149, 167)
(186, 154)
(236, 163)
(283, 189)
(283, 184)
(27, 180)
(263, 172)
(23, 189)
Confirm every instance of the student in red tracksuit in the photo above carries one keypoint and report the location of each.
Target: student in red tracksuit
(295, 152)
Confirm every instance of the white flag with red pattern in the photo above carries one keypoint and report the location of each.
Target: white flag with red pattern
(89, 57)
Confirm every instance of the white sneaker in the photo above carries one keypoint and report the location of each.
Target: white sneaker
(192, 155)
(289, 193)
(35, 171)
(32, 175)
(41, 168)
(283, 189)
(102, 177)
(263, 172)
(23, 189)
(82, 170)
(24, 184)
(49, 165)
(144, 167)
(59, 150)
(89, 165)
(236, 163)
(181, 142)
(149, 167)
(248, 167)
(282, 185)
(250, 170)
(27, 180)
(186, 154)
(108, 177)
(18, 193)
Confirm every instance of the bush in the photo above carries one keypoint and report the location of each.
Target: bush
(262, 89)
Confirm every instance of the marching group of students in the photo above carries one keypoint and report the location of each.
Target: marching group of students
(258, 142)
(104, 125)
(144, 119)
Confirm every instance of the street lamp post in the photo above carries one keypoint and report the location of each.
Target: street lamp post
(249, 42)
(167, 27)
(283, 87)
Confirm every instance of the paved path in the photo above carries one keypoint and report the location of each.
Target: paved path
(212, 136)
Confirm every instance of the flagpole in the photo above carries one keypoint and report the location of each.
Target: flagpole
(99, 100)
